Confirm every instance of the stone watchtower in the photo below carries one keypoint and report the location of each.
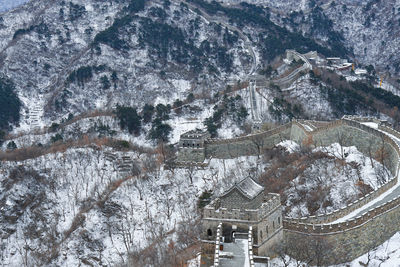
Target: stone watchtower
(191, 146)
(245, 204)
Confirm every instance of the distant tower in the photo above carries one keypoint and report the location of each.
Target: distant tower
(191, 146)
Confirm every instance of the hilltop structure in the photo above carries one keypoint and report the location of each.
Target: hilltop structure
(191, 146)
(245, 205)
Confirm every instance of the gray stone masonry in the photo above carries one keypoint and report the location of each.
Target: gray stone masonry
(191, 146)
(343, 241)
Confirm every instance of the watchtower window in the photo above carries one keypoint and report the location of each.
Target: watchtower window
(260, 234)
(198, 145)
(266, 229)
(209, 232)
(273, 225)
(279, 220)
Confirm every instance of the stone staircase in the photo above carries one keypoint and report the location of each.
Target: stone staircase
(122, 163)
(112, 157)
(34, 116)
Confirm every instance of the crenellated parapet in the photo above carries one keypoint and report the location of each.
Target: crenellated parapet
(329, 228)
(347, 239)
(250, 137)
(340, 213)
(214, 211)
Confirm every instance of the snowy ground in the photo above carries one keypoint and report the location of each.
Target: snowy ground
(9, 4)
(191, 117)
(385, 255)
(338, 180)
(156, 199)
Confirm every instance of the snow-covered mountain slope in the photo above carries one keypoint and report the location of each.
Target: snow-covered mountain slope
(156, 53)
(70, 57)
(74, 204)
(369, 29)
(9, 4)
(74, 207)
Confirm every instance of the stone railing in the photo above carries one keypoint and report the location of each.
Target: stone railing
(361, 119)
(271, 132)
(389, 130)
(318, 124)
(328, 126)
(342, 226)
(301, 126)
(307, 123)
(250, 247)
(217, 244)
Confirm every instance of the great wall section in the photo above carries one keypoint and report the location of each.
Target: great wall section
(351, 231)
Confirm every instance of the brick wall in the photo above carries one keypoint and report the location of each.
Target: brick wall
(348, 240)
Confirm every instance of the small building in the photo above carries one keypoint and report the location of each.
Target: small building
(345, 66)
(245, 204)
(335, 60)
(191, 146)
(311, 55)
(360, 72)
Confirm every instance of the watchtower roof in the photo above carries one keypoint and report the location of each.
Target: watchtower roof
(248, 187)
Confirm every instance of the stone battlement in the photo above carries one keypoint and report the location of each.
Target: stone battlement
(342, 226)
(274, 131)
(214, 212)
(339, 213)
(361, 233)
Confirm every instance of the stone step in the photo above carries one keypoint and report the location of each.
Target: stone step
(110, 155)
(119, 166)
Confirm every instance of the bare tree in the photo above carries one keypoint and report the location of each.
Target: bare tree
(258, 141)
(310, 251)
(190, 171)
(320, 249)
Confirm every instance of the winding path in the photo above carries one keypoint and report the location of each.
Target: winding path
(391, 194)
(230, 27)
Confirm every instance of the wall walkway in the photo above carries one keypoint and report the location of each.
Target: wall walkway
(369, 224)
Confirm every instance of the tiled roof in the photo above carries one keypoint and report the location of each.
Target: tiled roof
(249, 188)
